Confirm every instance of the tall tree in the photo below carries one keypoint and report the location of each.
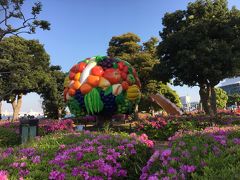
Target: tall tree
(200, 47)
(124, 46)
(11, 10)
(221, 98)
(26, 64)
(143, 58)
(53, 103)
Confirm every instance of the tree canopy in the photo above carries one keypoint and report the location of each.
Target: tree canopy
(26, 67)
(233, 99)
(200, 47)
(53, 103)
(143, 58)
(221, 98)
(12, 10)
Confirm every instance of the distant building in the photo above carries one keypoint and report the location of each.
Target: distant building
(231, 85)
(185, 100)
(187, 104)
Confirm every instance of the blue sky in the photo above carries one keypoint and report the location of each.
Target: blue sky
(81, 29)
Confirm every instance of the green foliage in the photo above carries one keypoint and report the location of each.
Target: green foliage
(143, 58)
(8, 137)
(124, 46)
(26, 65)
(53, 103)
(13, 11)
(233, 99)
(200, 46)
(49, 146)
(25, 62)
(221, 98)
(208, 154)
(159, 128)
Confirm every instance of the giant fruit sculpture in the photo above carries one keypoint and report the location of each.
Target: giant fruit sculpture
(102, 86)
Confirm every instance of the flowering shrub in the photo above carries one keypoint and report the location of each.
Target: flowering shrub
(8, 137)
(76, 156)
(209, 154)
(45, 126)
(50, 126)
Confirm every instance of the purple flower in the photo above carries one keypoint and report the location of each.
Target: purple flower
(186, 154)
(153, 177)
(121, 147)
(36, 159)
(187, 168)
(171, 170)
(28, 152)
(7, 152)
(14, 164)
(194, 148)
(166, 153)
(165, 178)
(133, 151)
(122, 173)
(107, 170)
(56, 175)
(236, 141)
(23, 164)
(79, 156)
(23, 173)
(182, 143)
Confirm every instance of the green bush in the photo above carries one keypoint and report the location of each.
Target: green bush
(213, 153)
(8, 137)
(114, 156)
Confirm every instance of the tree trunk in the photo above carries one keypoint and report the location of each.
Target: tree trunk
(136, 118)
(205, 94)
(213, 101)
(0, 110)
(16, 105)
(59, 113)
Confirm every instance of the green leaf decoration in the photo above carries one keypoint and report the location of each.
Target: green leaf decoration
(99, 58)
(118, 59)
(130, 70)
(115, 65)
(120, 99)
(108, 91)
(126, 63)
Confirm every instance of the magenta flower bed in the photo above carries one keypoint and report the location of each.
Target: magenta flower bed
(209, 154)
(77, 156)
(50, 126)
(45, 126)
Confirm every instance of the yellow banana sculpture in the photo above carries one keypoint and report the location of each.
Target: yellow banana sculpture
(133, 93)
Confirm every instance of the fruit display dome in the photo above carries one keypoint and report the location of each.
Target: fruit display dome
(102, 86)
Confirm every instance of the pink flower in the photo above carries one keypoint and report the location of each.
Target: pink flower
(14, 164)
(133, 135)
(3, 175)
(62, 146)
(23, 164)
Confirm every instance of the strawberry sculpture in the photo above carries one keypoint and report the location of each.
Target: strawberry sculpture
(102, 85)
